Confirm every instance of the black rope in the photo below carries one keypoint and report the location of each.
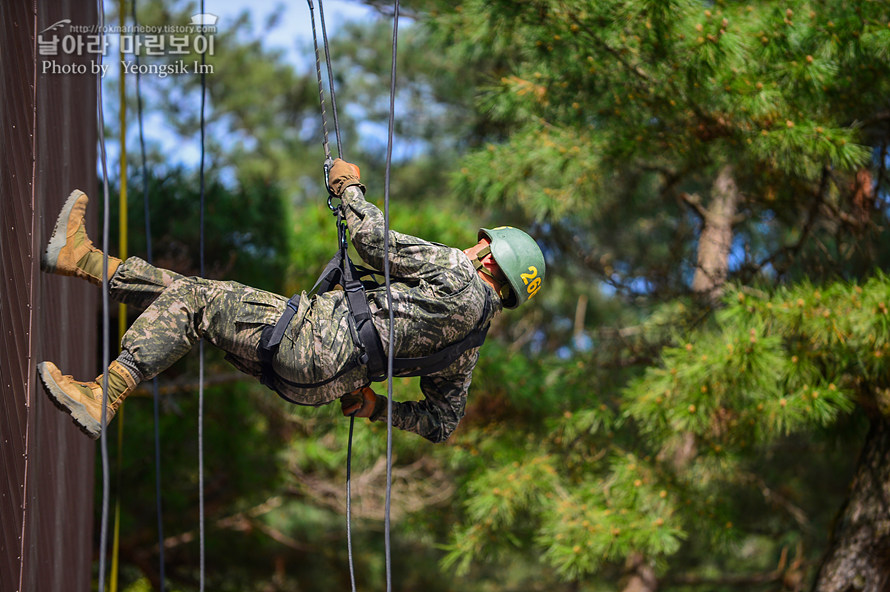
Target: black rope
(391, 348)
(386, 272)
(106, 346)
(327, 57)
(155, 391)
(336, 210)
(349, 503)
(201, 342)
(324, 119)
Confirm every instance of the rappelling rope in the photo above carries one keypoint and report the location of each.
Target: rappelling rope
(327, 164)
(391, 349)
(386, 274)
(349, 503)
(327, 57)
(106, 346)
(105, 307)
(122, 308)
(324, 119)
(150, 258)
(201, 342)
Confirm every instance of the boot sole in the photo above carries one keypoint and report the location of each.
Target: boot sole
(59, 238)
(82, 419)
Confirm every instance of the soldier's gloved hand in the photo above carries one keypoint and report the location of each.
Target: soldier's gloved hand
(342, 175)
(361, 403)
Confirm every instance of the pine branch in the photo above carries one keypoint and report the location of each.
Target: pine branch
(739, 581)
(775, 497)
(188, 383)
(788, 251)
(880, 117)
(694, 201)
(636, 70)
(791, 576)
(385, 8)
(243, 521)
(420, 485)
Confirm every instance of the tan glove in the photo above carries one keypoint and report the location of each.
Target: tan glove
(342, 175)
(363, 402)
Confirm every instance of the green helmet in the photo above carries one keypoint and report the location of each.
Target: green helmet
(521, 260)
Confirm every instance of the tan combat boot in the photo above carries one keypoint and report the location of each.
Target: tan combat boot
(70, 251)
(83, 400)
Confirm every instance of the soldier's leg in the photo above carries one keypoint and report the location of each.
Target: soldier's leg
(227, 314)
(138, 283)
(71, 252)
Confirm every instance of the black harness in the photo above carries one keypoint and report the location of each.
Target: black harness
(341, 271)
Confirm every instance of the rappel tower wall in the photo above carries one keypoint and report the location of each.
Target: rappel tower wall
(48, 142)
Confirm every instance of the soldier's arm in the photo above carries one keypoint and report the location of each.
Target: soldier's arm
(409, 256)
(445, 399)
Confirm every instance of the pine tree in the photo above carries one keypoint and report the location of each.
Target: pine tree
(709, 176)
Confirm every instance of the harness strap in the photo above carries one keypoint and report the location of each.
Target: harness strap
(330, 277)
(340, 270)
(442, 358)
(271, 339)
(476, 260)
(360, 318)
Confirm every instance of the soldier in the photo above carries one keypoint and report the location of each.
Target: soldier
(440, 295)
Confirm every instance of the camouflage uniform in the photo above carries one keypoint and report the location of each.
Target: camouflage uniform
(437, 299)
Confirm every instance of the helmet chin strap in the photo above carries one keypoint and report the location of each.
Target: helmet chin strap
(503, 287)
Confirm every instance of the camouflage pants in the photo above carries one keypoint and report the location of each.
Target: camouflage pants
(179, 310)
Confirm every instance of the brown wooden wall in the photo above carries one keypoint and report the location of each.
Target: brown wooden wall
(47, 148)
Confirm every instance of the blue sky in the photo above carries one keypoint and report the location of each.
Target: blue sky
(292, 34)
(294, 29)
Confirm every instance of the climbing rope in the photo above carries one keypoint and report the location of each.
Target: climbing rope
(106, 346)
(391, 349)
(324, 119)
(327, 57)
(103, 540)
(148, 248)
(327, 166)
(201, 342)
(122, 308)
(349, 503)
(386, 270)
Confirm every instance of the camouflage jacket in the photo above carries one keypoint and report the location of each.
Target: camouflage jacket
(437, 299)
